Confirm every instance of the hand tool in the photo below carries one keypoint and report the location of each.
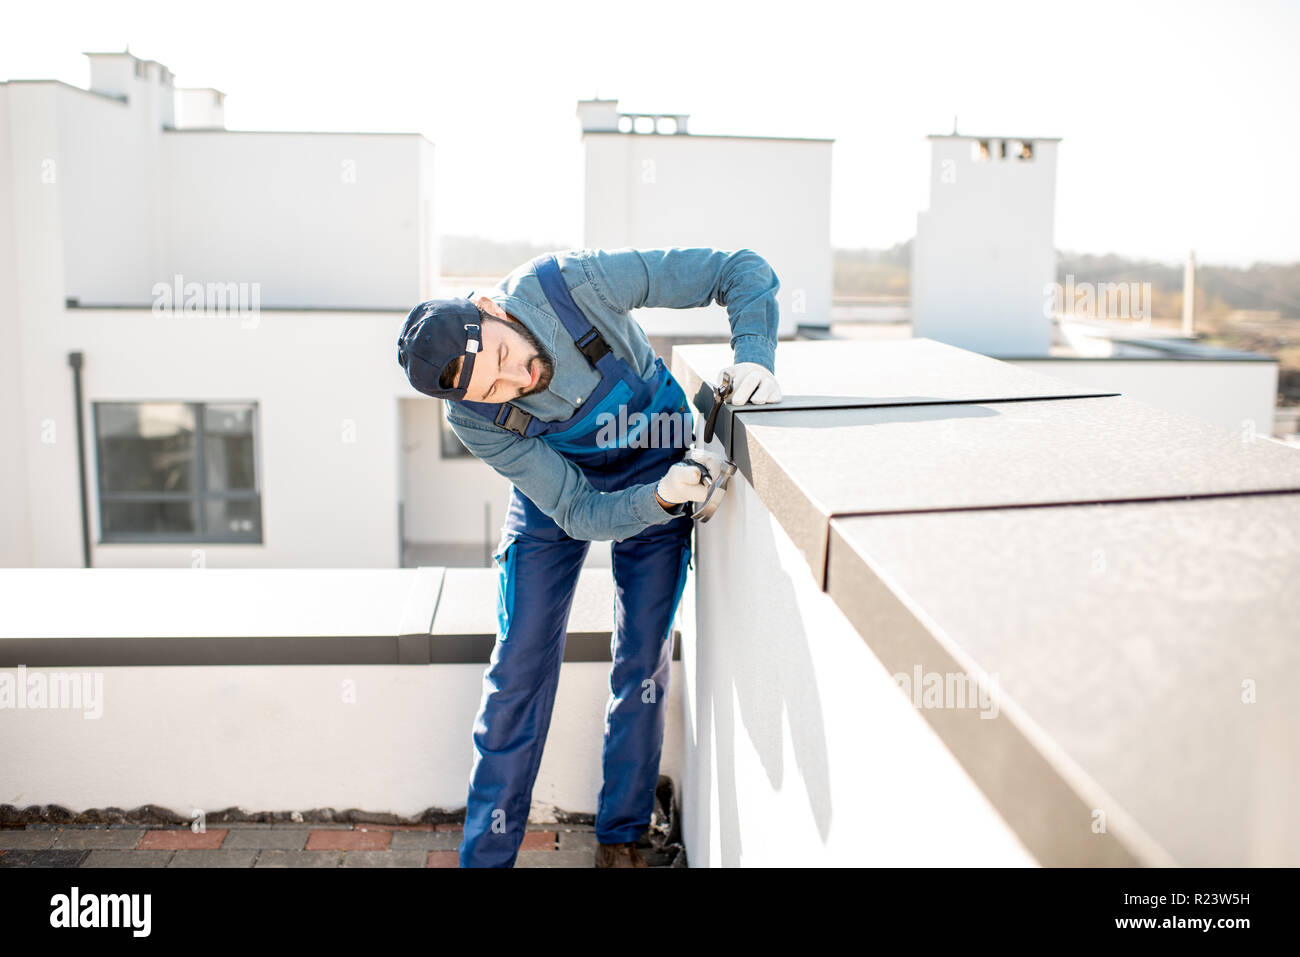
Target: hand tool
(717, 484)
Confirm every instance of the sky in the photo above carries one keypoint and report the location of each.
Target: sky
(1178, 119)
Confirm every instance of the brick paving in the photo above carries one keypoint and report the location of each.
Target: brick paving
(297, 845)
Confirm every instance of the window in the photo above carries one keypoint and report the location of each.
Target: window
(450, 446)
(177, 472)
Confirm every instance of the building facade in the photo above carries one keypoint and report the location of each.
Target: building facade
(230, 301)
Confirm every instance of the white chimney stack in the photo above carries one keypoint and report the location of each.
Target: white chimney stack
(143, 84)
(200, 108)
(602, 116)
(598, 116)
(1189, 295)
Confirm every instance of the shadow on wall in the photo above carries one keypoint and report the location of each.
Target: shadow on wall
(760, 655)
(785, 681)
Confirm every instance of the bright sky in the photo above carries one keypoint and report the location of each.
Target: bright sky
(1179, 119)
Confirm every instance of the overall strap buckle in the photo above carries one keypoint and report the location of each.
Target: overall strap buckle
(593, 345)
(585, 336)
(512, 419)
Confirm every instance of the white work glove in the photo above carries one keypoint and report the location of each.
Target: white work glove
(753, 384)
(710, 460)
(682, 483)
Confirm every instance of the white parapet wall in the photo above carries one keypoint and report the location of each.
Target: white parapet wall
(381, 738)
(280, 690)
(800, 749)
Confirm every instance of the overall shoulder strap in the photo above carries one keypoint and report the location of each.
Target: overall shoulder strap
(585, 336)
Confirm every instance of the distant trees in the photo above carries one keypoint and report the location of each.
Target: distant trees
(874, 272)
(1219, 289)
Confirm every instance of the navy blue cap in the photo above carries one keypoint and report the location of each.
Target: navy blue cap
(435, 334)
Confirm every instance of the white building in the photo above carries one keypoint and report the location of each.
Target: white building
(984, 279)
(983, 250)
(651, 183)
(264, 433)
(213, 314)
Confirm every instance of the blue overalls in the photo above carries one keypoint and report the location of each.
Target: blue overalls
(537, 571)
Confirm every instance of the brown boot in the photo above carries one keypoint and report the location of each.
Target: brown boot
(619, 855)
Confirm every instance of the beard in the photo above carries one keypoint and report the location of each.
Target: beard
(541, 361)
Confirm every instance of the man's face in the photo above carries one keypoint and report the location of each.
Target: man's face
(511, 356)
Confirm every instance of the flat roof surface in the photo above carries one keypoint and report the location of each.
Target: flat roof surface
(218, 602)
(57, 617)
(172, 616)
(879, 373)
(708, 136)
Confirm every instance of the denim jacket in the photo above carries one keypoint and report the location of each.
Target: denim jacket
(607, 285)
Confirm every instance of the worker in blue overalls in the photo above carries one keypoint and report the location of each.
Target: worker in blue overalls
(544, 382)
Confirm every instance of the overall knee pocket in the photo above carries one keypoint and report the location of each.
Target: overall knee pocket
(504, 558)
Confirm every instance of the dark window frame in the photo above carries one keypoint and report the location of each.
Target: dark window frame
(201, 495)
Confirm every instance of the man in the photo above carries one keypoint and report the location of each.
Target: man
(553, 384)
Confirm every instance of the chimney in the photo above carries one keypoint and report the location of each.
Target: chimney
(602, 116)
(598, 116)
(113, 74)
(200, 108)
(144, 84)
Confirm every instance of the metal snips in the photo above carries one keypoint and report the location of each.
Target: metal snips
(717, 484)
